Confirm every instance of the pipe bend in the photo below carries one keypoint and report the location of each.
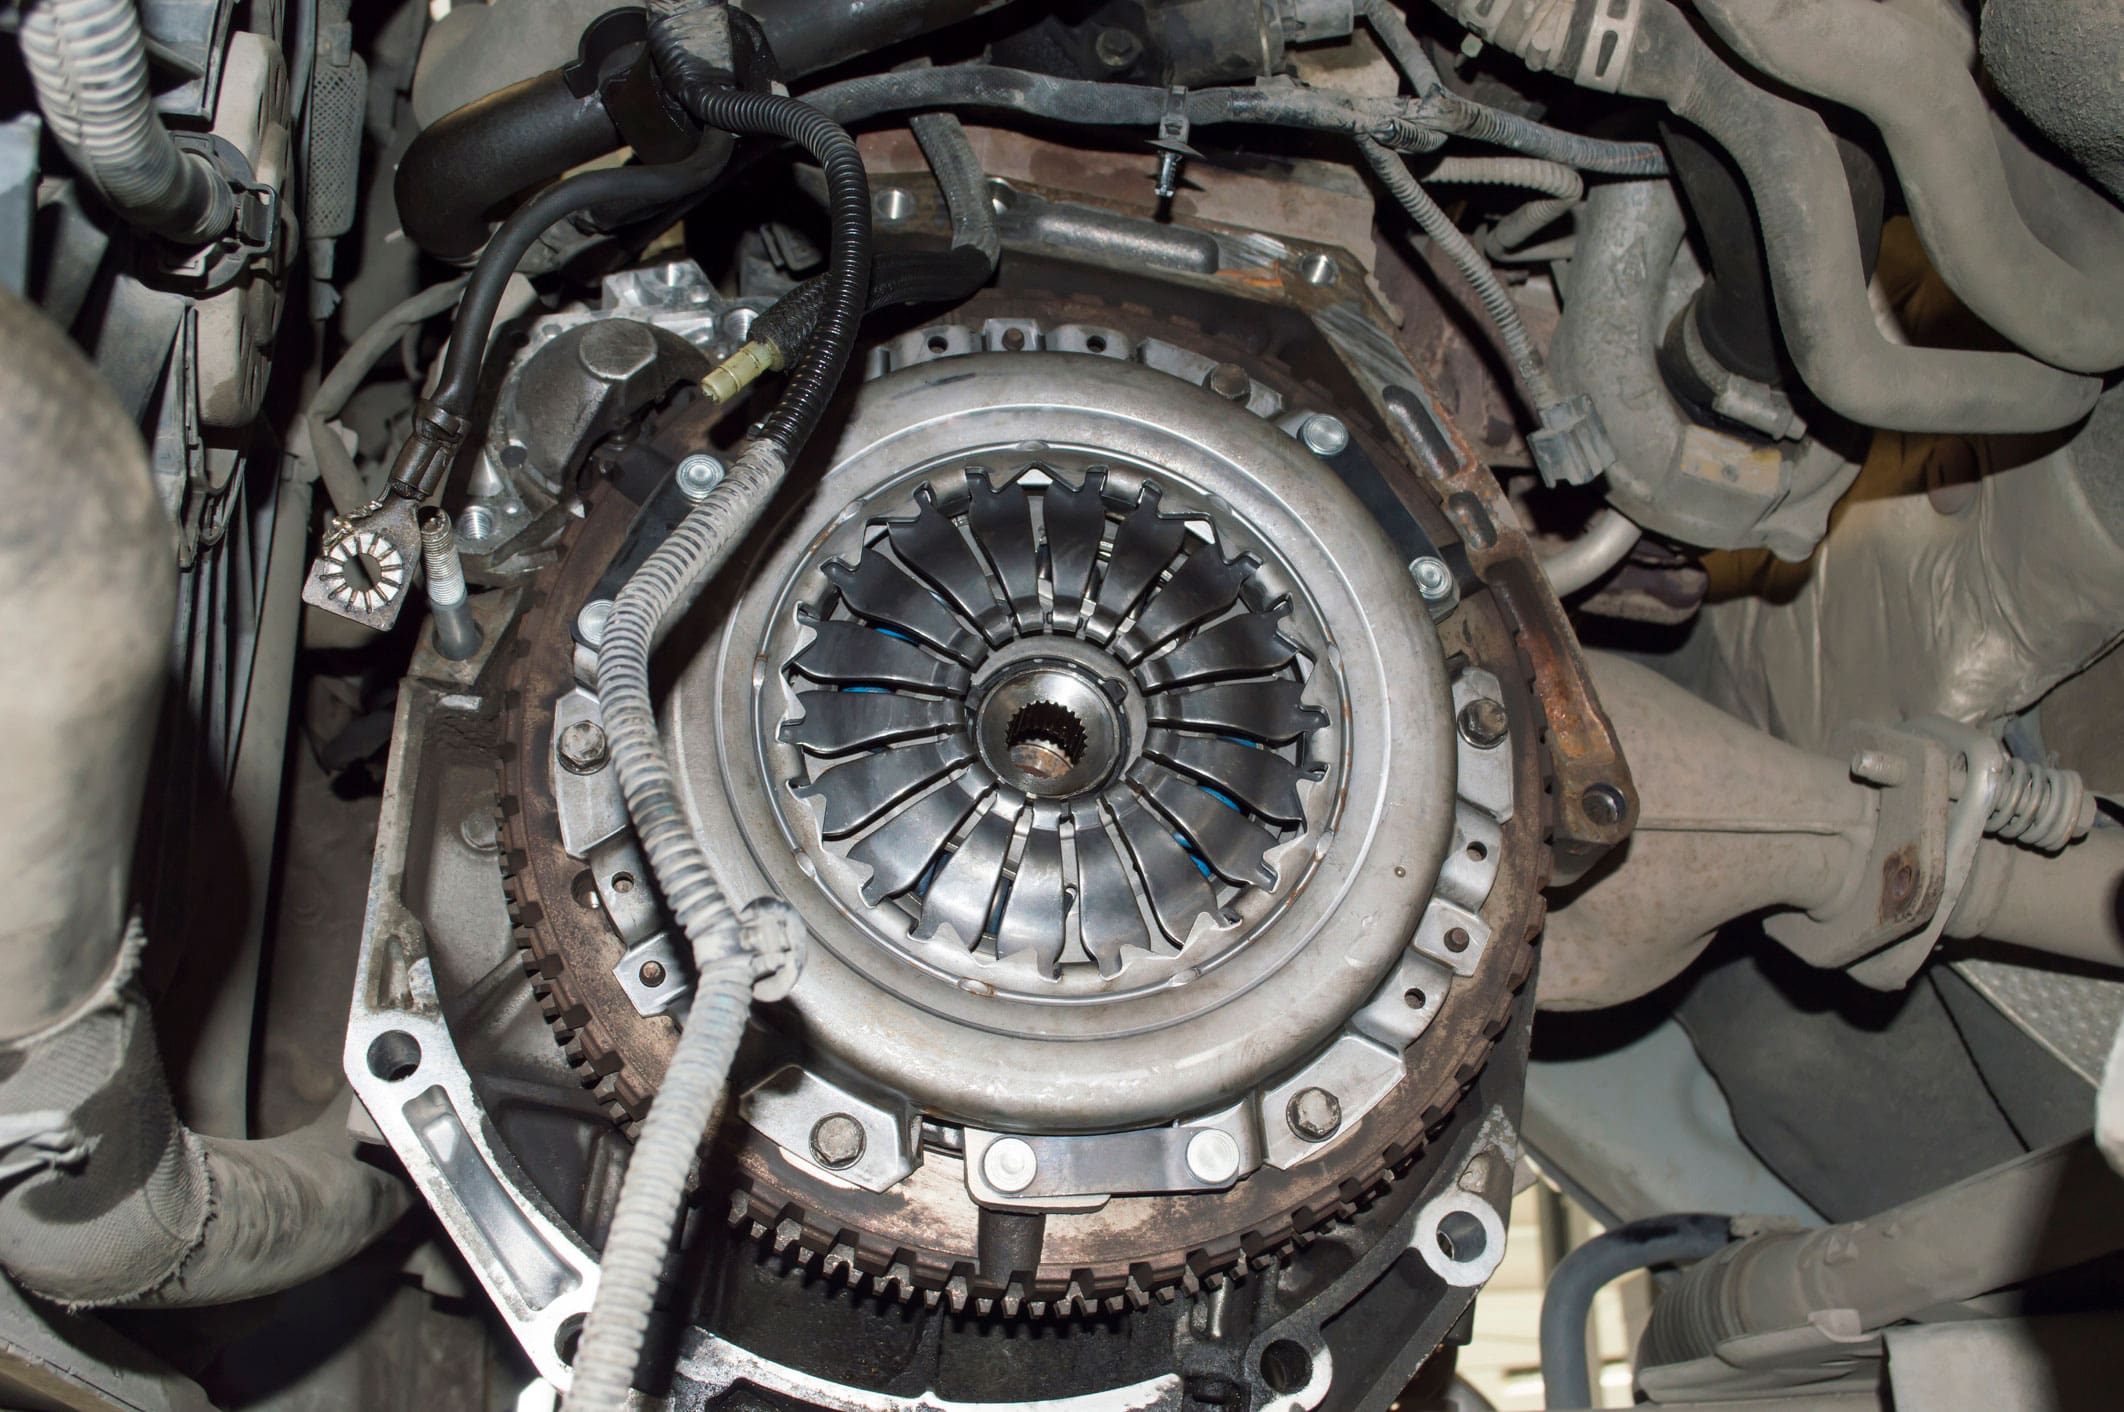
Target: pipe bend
(1789, 159)
(1599, 547)
(1938, 130)
(469, 162)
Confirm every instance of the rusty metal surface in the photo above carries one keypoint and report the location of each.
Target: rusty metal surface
(920, 1238)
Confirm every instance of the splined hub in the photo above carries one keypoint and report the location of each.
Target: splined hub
(1094, 729)
(1103, 743)
(1023, 707)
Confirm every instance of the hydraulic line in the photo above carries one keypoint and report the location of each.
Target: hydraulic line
(1598, 548)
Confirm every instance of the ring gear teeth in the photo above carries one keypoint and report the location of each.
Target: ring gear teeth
(780, 1223)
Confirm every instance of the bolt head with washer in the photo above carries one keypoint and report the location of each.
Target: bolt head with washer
(837, 1141)
(1010, 1164)
(1433, 579)
(1314, 1114)
(582, 747)
(1483, 723)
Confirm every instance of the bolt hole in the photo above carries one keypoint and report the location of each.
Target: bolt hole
(938, 343)
(1461, 1237)
(1317, 269)
(1095, 344)
(1014, 339)
(584, 891)
(623, 883)
(394, 1056)
(1415, 999)
(477, 522)
(1456, 940)
(361, 572)
(1286, 1367)
(568, 1339)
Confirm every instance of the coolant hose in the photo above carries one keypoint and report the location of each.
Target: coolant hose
(1566, 1380)
(470, 161)
(653, 1193)
(88, 60)
(105, 1197)
(1790, 161)
(1908, 78)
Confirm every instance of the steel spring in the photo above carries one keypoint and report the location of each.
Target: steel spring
(2039, 806)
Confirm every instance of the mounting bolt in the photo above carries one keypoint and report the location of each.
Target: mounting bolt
(582, 747)
(1010, 1164)
(1603, 804)
(651, 974)
(837, 1141)
(1324, 435)
(1213, 1156)
(1433, 579)
(1117, 48)
(1314, 1114)
(697, 475)
(457, 635)
(1169, 164)
(1230, 381)
(1483, 723)
(1879, 767)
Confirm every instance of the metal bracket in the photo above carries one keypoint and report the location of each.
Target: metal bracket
(364, 571)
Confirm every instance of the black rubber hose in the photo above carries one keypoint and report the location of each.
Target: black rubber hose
(468, 163)
(900, 277)
(1392, 122)
(847, 286)
(807, 36)
(1566, 1379)
(910, 277)
(619, 188)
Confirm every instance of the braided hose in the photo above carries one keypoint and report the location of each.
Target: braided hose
(2039, 807)
(1394, 174)
(88, 60)
(646, 1220)
(1562, 186)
